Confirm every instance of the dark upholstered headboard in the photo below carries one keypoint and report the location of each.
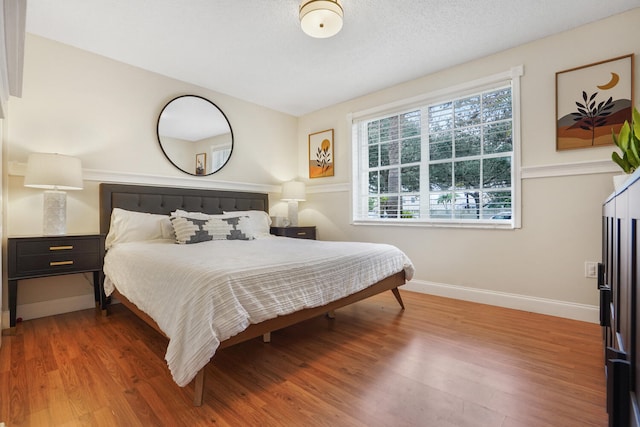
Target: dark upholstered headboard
(164, 200)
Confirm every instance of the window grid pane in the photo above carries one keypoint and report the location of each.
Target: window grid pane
(468, 145)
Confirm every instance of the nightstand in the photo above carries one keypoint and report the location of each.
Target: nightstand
(296, 232)
(31, 257)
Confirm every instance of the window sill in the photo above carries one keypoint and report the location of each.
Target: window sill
(492, 225)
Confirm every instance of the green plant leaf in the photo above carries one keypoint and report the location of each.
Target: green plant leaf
(633, 157)
(615, 138)
(624, 165)
(623, 136)
(636, 122)
(634, 144)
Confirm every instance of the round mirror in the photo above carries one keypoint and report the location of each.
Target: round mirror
(195, 135)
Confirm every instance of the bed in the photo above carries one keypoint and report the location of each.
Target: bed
(143, 275)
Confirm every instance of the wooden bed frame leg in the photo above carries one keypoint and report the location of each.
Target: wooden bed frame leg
(199, 388)
(396, 293)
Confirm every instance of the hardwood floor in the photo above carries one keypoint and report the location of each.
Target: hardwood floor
(441, 362)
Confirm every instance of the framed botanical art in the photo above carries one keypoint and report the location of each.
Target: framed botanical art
(593, 101)
(321, 154)
(201, 163)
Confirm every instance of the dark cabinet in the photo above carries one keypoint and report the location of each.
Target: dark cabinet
(619, 302)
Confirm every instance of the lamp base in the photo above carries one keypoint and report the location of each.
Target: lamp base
(54, 215)
(293, 213)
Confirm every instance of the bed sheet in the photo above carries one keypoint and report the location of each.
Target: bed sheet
(202, 294)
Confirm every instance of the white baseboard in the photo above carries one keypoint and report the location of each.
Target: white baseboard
(583, 312)
(50, 308)
(569, 310)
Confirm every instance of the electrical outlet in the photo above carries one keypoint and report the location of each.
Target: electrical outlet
(591, 269)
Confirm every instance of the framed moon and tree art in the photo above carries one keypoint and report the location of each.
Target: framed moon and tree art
(593, 101)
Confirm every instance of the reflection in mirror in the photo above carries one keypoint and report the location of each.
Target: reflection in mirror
(195, 135)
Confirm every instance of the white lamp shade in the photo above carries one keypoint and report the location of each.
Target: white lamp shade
(321, 18)
(53, 171)
(293, 191)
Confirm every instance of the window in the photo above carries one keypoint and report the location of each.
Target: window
(448, 159)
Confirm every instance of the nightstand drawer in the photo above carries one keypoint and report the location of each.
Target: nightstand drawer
(56, 263)
(56, 246)
(296, 232)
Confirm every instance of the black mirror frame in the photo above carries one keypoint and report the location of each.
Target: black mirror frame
(165, 153)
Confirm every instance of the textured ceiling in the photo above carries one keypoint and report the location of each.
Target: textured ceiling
(254, 49)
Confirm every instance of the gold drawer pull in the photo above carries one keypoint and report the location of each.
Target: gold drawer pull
(302, 233)
(57, 263)
(60, 248)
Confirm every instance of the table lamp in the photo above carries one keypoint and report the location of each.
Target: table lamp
(293, 192)
(54, 173)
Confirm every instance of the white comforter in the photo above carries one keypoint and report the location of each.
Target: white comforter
(202, 294)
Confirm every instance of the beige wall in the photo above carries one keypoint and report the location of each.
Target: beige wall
(561, 214)
(105, 112)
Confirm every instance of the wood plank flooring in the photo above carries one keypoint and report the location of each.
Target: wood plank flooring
(441, 362)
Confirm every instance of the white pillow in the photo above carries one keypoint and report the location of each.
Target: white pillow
(196, 215)
(259, 221)
(195, 229)
(130, 226)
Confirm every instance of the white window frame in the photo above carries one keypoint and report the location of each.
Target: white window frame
(360, 181)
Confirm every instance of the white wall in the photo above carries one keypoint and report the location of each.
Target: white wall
(539, 267)
(105, 112)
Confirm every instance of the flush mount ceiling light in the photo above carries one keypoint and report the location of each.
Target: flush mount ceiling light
(321, 18)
